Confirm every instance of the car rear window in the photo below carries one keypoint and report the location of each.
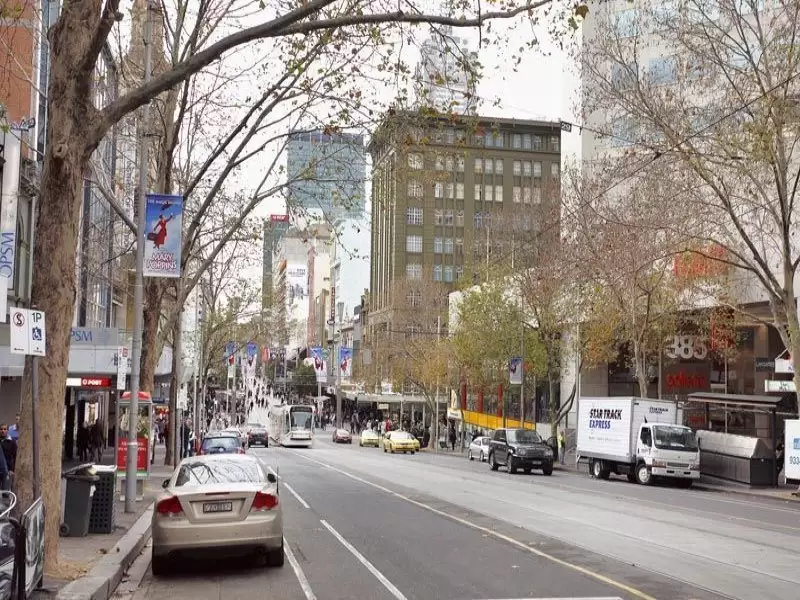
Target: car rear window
(219, 471)
(221, 444)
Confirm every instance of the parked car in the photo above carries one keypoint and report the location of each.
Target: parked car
(520, 449)
(342, 436)
(479, 448)
(400, 441)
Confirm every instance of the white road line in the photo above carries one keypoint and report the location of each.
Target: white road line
(370, 567)
(588, 572)
(296, 495)
(298, 572)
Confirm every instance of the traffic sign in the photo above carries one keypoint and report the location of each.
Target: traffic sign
(27, 332)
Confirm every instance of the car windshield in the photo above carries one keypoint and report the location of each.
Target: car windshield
(673, 437)
(300, 419)
(523, 436)
(227, 443)
(401, 435)
(219, 471)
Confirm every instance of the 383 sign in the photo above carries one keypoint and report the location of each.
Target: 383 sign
(687, 347)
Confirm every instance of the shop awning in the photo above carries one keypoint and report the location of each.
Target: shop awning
(751, 401)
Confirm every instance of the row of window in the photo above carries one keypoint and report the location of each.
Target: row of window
(489, 139)
(441, 217)
(524, 168)
(484, 193)
(447, 273)
(416, 161)
(631, 22)
(441, 245)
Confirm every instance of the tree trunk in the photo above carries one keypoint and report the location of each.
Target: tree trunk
(640, 365)
(153, 294)
(552, 401)
(61, 195)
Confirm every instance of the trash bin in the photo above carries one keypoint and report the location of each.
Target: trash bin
(78, 500)
(103, 516)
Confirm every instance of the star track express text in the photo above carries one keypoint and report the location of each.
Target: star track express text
(600, 418)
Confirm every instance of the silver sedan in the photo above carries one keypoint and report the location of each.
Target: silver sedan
(479, 448)
(218, 505)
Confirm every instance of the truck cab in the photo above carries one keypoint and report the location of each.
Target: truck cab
(667, 450)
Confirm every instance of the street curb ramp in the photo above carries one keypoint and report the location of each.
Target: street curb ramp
(103, 579)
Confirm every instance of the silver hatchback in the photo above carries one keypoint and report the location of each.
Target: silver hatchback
(218, 505)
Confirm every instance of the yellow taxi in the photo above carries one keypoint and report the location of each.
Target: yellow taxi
(400, 441)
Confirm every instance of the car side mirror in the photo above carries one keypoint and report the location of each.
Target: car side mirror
(271, 478)
(165, 483)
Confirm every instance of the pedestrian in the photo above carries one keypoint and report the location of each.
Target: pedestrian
(9, 452)
(562, 446)
(13, 431)
(453, 438)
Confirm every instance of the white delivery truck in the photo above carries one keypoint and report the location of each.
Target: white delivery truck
(637, 437)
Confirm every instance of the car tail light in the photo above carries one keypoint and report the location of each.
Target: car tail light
(171, 507)
(264, 502)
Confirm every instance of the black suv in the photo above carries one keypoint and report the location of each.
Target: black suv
(520, 449)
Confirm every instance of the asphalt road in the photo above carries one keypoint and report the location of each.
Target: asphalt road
(361, 523)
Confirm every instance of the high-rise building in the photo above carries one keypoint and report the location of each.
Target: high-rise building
(447, 73)
(274, 229)
(326, 173)
(438, 186)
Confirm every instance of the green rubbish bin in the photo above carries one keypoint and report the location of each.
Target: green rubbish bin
(80, 483)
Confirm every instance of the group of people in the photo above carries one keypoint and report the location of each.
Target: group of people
(90, 441)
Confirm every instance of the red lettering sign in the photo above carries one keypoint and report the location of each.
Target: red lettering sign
(279, 218)
(142, 452)
(99, 382)
(686, 381)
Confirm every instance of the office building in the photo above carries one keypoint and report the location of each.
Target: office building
(447, 73)
(326, 173)
(274, 229)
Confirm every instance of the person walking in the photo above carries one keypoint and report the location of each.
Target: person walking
(562, 446)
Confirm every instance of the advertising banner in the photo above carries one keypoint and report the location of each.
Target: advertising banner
(141, 455)
(345, 364)
(515, 371)
(320, 364)
(162, 248)
(8, 205)
(791, 468)
(230, 349)
(296, 283)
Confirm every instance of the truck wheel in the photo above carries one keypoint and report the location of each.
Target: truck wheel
(643, 475)
(598, 470)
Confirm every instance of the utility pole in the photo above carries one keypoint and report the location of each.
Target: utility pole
(138, 287)
(522, 366)
(196, 404)
(436, 408)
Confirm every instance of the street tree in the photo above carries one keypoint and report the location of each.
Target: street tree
(710, 93)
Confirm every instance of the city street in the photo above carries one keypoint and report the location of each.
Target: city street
(361, 523)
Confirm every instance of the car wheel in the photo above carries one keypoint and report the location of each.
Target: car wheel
(275, 558)
(510, 465)
(492, 462)
(548, 470)
(483, 458)
(469, 455)
(159, 566)
(526, 471)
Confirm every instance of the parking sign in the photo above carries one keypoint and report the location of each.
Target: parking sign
(28, 332)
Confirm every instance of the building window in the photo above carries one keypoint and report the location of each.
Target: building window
(438, 217)
(479, 165)
(416, 162)
(526, 141)
(494, 139)
(414, 188)
(516, 141)
(450, 135)
(488, 166)
(537, 195)
(498, 193)
(477, 220)
(526, 195)
(413, 216)
(448, 245)
(437, 273)
(478, 191)
(439, 162)
(459, 191)
(414, 271)
(460, 164)
(555, 143)
(538, 143)
(663, 70)
(414, 243)
(555, 170)
(438, 190)
(498, 166)
(537, 169)
(448, 163)
(437, 245)
(414, 298)
(459, 272)
(448, 218)
(623, 131)
(517, 167)
(526, 168)
(449, 189)
(460, 218)
(459, 246)
(487, 193)
(626, 23)
(517, 192)
(448, 274)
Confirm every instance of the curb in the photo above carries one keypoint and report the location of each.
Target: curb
(787, 497)
(103, 579)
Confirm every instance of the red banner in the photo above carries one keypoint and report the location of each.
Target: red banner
(142, 452)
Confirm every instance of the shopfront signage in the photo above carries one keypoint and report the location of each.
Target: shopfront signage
(764, 365)
(687, 347)
(772, 386)
(96, 382)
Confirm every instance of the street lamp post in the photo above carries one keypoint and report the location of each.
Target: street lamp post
(138, 288)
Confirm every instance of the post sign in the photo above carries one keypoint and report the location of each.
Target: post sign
(27, 332)
(122, 367)
(791, 468)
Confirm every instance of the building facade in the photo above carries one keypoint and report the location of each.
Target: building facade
(274, 228)
(326, 174)
(438, 187)
(447, 73)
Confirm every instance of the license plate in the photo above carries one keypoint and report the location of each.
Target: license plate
(217, 507)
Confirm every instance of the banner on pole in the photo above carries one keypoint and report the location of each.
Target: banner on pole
(320, 364)
(515, 369)
(162, 247)
(345, 363)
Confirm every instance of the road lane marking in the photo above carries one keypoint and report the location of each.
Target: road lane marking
(535, 551)
(362, 559)
(298, 572)
(296, 495)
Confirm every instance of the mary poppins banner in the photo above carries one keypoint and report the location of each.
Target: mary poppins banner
(162, 246)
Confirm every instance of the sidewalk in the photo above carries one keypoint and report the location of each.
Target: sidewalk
(708, 484)
(92, 566)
